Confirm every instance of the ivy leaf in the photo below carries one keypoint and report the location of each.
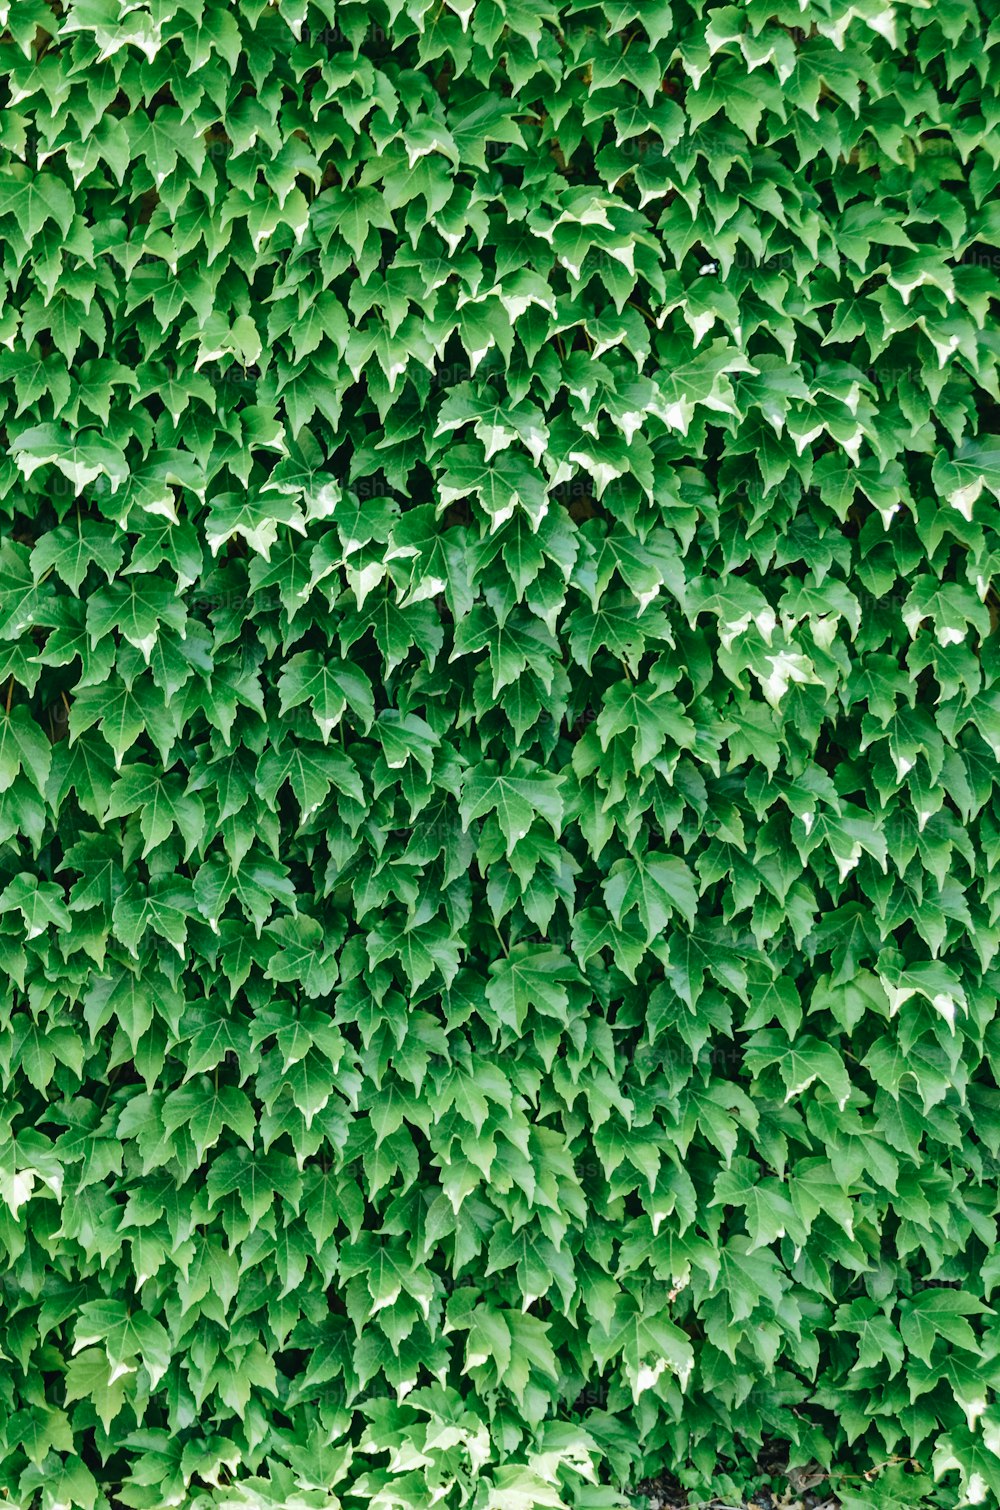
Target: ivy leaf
(70, 554)
(38, 904)
(92, 1376)
(124, 1335)
(530, 977)
(23, 747)
(658, 886)
(330, 690)
(36, 199)
(516, 799)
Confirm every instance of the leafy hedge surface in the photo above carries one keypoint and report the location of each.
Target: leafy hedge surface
(499, 823)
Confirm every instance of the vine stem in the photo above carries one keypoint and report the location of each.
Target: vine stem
(503, 946)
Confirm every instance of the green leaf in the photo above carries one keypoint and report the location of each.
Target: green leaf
(516, 799)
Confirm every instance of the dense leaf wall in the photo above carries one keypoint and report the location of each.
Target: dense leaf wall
(500, 716)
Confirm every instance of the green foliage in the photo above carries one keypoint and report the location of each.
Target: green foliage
(499, 725)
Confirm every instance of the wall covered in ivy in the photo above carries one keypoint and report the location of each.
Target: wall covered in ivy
(499, 733)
